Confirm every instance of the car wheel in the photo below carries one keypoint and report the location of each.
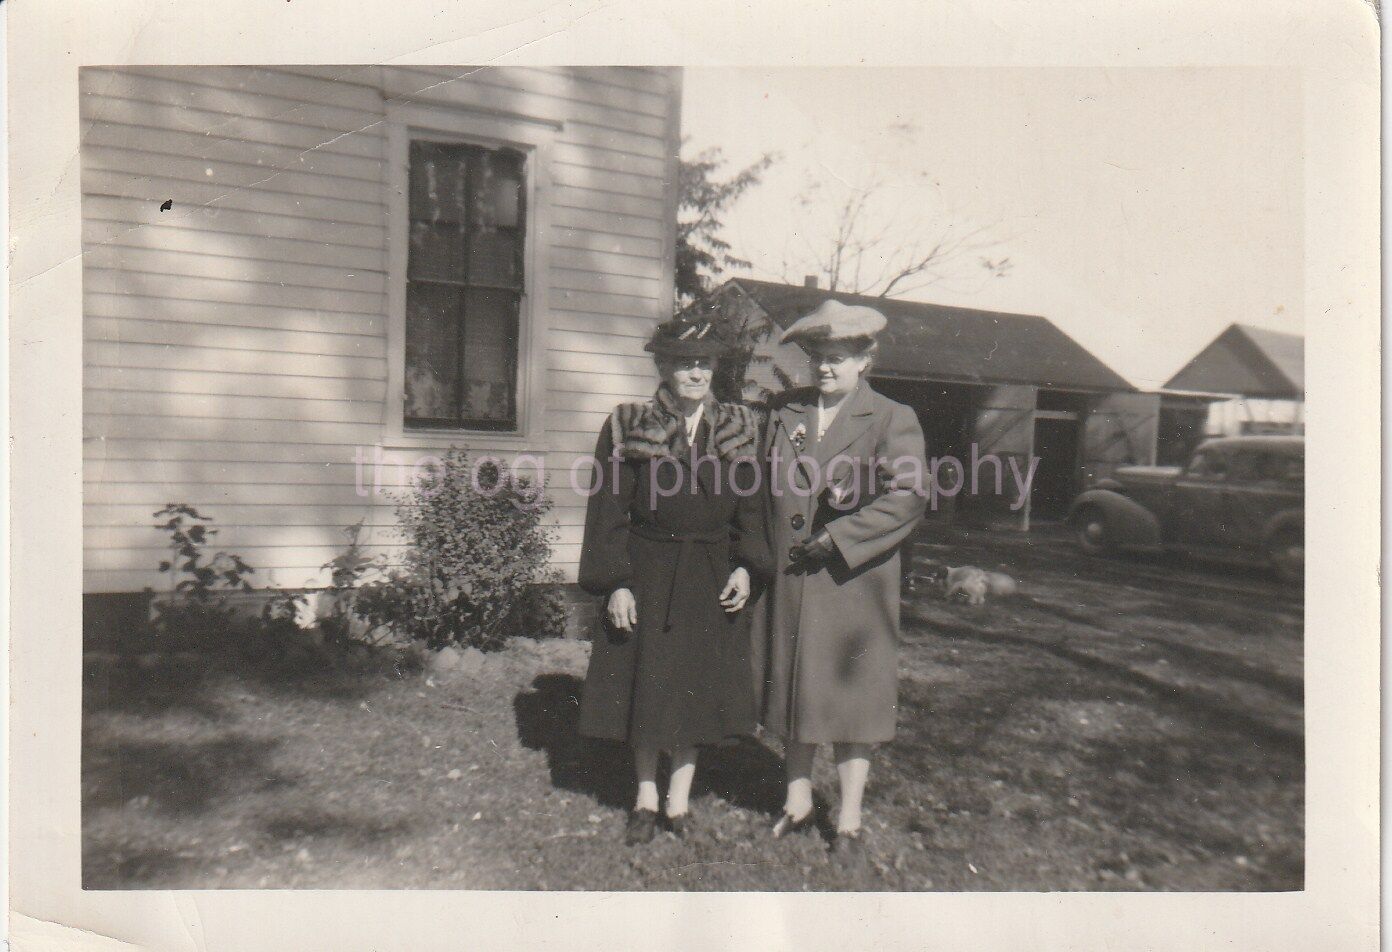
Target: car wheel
(1286, 552)
(1091, 530)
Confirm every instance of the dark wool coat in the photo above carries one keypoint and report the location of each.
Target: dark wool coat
(681, 677)
(825, 640)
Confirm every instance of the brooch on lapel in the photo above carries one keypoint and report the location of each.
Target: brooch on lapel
(799, 436)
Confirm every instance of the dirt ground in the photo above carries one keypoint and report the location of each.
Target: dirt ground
(1116, 725)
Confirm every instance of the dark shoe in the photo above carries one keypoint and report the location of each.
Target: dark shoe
(848, 850)
(679, 825)
(787, 825)
(642, 827)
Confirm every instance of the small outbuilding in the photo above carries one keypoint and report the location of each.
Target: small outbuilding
(985, 385)
(1249, 380)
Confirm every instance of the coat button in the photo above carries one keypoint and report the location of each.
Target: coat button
(798, 521)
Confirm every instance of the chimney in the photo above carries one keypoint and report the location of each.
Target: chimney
(810, 281)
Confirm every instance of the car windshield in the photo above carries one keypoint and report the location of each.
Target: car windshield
(1251, 466)
(1210, 464)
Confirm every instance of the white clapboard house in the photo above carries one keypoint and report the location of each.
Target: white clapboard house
(299, 281)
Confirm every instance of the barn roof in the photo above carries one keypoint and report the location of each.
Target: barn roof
(1247, 361)
(955, 344)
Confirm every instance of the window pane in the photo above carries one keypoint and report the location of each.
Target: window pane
(490, 356)
(497, 183)
(495, 241)
(1284, 468)
(439, 181)
(495, 258)
(432, 352)
(437, 252)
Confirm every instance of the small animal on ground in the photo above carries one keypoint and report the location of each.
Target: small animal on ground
(975, 584)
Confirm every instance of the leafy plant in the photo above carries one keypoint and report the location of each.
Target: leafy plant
(198, 583)
(346, 570)
(702, 255)
(476, 565)
(783, 378)
(329, 612)
(539, 613)
(346, 574)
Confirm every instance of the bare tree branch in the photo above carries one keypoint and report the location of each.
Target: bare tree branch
(872, 250)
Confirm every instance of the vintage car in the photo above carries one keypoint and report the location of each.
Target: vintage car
(1242, 495)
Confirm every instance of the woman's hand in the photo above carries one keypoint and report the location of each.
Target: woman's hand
(623, 609)
(736, 591)
(814, 551)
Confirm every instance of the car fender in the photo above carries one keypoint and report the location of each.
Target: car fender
(1289, 519)
(1130, 523)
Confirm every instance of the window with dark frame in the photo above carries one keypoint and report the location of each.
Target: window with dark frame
(464, 286)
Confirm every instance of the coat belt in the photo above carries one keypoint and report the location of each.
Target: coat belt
(654, 533)
(687, 542)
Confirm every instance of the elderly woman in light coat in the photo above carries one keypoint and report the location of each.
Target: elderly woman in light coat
(845, 490)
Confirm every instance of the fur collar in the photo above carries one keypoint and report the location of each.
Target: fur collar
(643, 431)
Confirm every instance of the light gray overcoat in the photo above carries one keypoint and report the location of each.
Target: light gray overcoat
(826, 641)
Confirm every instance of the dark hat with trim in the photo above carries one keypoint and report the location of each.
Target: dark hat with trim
(687, 338)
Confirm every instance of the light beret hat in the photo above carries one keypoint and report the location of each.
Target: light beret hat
(833, 320)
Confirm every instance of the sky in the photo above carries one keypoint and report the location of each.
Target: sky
(1141, 210)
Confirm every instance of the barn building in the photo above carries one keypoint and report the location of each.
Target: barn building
(300, 281)
(1012, 386)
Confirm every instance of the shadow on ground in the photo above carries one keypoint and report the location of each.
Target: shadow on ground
(177, 777)
(548, 714)
(131, 669)
(355, 830)
(744, 773)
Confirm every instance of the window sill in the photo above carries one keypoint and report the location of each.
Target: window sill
(442, 439)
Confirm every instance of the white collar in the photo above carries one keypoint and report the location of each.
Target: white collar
(694, 421)
(825, 414)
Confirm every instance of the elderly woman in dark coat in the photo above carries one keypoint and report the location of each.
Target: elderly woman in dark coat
(845, 491)
(674, 538)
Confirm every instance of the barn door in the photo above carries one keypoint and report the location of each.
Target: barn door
(1004, 428)
(1120, 430)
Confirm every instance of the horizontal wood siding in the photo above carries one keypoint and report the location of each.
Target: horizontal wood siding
(236, 343)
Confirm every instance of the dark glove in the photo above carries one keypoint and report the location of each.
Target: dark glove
(813, 551)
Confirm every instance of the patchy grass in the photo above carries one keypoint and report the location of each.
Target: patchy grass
(1116, 725)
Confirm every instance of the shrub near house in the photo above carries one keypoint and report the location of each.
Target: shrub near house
(476, 567)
